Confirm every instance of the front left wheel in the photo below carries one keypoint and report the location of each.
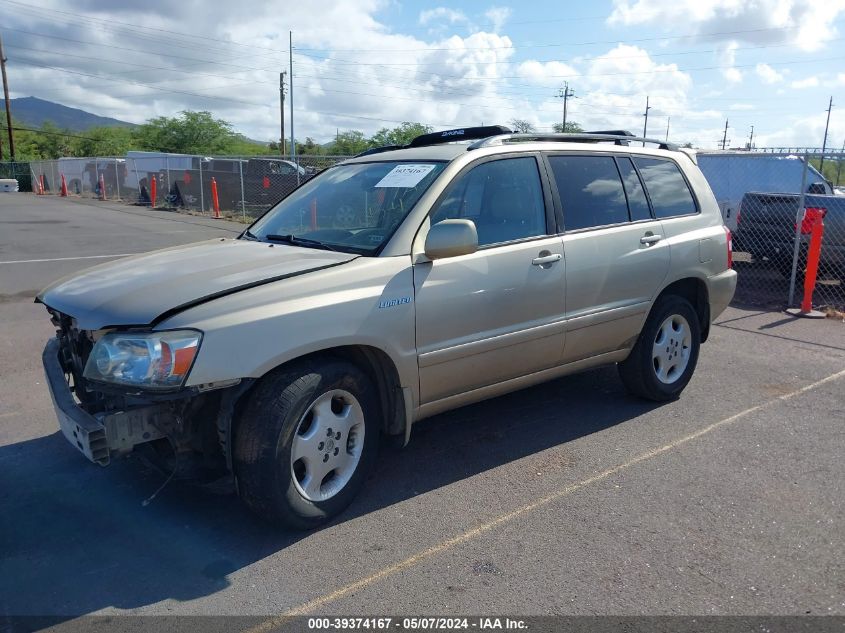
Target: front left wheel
(305, 442)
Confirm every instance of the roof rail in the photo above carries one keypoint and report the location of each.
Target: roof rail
(580, 137)
(378, 150)
(611, 132)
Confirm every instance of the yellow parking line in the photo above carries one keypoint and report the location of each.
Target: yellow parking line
(10, 414)
(419, 557)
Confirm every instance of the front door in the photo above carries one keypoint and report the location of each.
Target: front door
(495, 314)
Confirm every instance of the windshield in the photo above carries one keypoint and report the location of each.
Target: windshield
(352, 208)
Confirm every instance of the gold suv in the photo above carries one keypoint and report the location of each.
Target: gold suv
(396, 285)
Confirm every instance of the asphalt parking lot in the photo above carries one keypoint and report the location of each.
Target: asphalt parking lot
(566, 498)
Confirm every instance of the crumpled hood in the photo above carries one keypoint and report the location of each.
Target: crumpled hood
(139, 290)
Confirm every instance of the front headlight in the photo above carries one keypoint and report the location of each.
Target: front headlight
(153, 360)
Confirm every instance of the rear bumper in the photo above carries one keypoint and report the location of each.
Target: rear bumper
(721, 289)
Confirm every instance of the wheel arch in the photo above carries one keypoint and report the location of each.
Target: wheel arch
(694, 290)
(373, 361)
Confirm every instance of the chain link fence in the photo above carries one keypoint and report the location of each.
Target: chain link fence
(18, 171)
(771, 201)
(244, 187)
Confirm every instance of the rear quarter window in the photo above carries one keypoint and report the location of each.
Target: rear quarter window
(667, 188)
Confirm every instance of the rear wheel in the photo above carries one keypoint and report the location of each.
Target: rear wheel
(665, 355)
(305, 442)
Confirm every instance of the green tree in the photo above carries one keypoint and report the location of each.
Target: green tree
(521, 125)
(400, 135)
(350, 142)
(571, 127)
(102, 141)
(189, 133)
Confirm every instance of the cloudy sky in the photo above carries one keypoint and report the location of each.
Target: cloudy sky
(366, 64)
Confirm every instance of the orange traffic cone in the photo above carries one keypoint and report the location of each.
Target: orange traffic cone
(64, 187)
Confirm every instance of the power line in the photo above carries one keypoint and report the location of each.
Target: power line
(555, 44)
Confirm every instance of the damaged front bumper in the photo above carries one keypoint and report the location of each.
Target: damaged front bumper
(99, 436)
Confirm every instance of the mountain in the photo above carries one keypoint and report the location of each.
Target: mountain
(34, 111)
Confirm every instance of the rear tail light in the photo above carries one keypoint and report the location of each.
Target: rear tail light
(730, 246)
(810, 215)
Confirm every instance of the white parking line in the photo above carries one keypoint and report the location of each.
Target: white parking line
(67, 259)
(275, 623)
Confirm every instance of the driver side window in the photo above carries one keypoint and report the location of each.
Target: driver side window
(504, 198)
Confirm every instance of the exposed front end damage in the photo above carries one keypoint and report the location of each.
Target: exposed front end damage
(104, 422)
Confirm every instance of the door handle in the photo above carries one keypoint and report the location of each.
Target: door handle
(650, 239)
(546, 259)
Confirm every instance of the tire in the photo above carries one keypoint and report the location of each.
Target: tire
(300, 421)
(657, 373)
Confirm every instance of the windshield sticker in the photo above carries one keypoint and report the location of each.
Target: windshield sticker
(405, 176)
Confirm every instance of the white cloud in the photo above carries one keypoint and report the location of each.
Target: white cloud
(545, 73)
(498, 16)
(809, 82)
(728, 59)
(741, 106)
(451, 16)
(805, 25)
(768, 74)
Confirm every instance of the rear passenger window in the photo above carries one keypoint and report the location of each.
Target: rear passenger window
(590, 191)
(667, 189)
(637, 202)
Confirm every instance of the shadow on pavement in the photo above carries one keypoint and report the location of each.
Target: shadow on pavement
(74, 538)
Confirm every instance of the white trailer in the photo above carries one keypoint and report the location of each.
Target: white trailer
(733, 174)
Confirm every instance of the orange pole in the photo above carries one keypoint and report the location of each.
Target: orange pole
(102, 187)
(64, 187)
(816, 233)
(214, 199)
(153, 192)
(41, 188)
(314, 214)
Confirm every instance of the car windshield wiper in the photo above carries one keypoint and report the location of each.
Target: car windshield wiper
(299, 241)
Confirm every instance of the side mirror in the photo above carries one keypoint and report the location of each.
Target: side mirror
(451, 238)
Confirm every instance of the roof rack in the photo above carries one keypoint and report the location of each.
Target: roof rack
(446, 136)
(624, 138)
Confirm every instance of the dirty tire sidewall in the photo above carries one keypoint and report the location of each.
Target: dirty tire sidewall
(264, 437)
(637, 371)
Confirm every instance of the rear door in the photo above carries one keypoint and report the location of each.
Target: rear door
(616, 255)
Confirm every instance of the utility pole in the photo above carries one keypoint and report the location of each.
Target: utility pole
(282, 148)
(725, 136)
(565, 93)
(751, 139)
(824, 142)
(6, 97)
(292, 137)
(668, 119)
(645, 125)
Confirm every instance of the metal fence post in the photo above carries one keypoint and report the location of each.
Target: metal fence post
(202, 194)
(167, 169)
(117, 177)
(798, 217)
(137, 180)
(243, 200)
